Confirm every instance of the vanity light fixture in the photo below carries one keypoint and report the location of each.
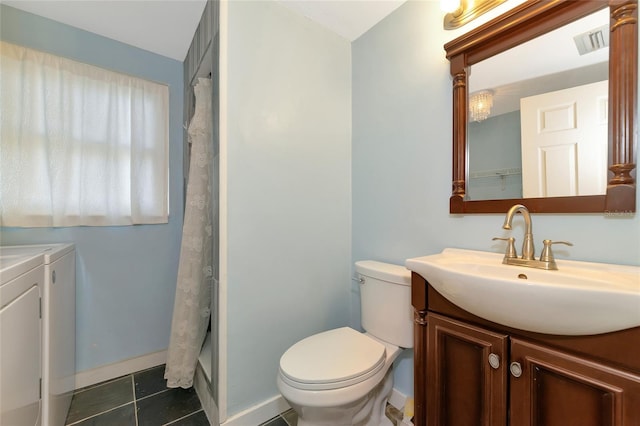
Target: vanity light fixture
(450, 6)
(480, 104)
(460, 12)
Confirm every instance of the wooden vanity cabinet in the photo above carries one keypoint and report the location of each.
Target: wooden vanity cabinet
(559, 389)
(466, 370)
(462, 387)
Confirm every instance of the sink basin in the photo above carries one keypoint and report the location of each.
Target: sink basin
(580, 298)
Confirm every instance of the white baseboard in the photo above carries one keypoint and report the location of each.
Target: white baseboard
(120, 368)
(398, 399)
(260, 413)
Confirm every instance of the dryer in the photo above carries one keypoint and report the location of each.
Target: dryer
(58, 326)
(21, 282)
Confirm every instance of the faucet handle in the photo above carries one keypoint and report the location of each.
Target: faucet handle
(511, 247)
(547, 254)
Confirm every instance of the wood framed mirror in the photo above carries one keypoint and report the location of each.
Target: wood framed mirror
(522, 24)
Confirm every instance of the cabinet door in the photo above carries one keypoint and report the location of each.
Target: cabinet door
(466, 374)
(558, 389)
(20, 351)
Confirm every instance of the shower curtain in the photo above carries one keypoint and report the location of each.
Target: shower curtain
(191, 309)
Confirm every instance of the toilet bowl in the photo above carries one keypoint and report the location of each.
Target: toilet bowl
(344, 377)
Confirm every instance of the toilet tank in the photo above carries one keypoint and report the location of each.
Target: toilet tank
(385, 302)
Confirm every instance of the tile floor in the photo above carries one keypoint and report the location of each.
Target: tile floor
(288, 418)
(142, 399)
(138, 399)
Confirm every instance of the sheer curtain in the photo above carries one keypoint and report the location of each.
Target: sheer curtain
(80, 145)
(191, 309)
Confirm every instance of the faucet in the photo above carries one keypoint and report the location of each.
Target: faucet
(547, 261)
(527, 245)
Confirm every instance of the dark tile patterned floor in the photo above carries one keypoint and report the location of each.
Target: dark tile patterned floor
(138, 399)
(288, 418)
(142, 399)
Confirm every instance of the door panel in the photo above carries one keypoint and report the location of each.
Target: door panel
(20, 352)
(556, 397)
(558, 389)
(564, 142)
(467, 389)
(559, 173)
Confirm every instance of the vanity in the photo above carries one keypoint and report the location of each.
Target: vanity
(471, 371)
(503, 339)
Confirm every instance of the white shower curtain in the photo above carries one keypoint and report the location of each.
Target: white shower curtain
(191, 309)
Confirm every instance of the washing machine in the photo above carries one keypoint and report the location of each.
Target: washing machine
(58, 326)
(21, 284)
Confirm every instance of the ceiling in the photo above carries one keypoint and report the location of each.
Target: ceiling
(348, 18)
(510, 78)
(166, 27)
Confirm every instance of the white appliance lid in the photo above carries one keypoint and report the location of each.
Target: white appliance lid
(332, 356)
(14, 265)
(51, 252)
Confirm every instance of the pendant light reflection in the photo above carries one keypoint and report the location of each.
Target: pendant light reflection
(480, 104)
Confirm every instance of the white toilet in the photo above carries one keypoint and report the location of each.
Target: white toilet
(342, 377)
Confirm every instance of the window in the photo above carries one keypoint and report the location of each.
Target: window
(79, 145)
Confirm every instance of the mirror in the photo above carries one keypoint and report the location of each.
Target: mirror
(486, 181)
(509, 155)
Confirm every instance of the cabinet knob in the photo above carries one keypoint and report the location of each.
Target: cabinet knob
(494, 361)
(516, 369)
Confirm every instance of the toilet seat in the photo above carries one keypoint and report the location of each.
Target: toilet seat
(331, 360)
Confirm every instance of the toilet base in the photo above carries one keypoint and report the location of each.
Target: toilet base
(366, 411)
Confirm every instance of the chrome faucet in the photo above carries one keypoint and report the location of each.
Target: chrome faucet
(546, 261)
(528, 250)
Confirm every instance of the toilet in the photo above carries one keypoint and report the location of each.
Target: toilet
(343, 377)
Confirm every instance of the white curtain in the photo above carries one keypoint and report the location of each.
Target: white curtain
(191, 309)
(80, 145)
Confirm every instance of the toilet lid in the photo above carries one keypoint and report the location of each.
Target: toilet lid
(332, 359)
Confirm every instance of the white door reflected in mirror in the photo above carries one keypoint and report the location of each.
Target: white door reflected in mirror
(563, 136)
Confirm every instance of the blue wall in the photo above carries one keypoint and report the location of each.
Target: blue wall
(287, 166)
(125, 275)
(495, 144)
(402, 107)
